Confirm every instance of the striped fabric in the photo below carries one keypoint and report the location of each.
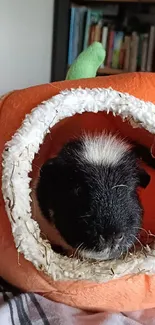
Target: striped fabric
(17, 308)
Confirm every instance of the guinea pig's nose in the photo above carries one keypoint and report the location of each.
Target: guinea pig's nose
(116, 238)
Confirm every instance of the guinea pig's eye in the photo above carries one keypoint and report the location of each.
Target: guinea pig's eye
(120, 236)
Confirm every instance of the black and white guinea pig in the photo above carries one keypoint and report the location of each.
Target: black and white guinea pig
(89, 191)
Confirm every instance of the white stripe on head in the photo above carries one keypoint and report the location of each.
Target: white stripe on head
(104, 149)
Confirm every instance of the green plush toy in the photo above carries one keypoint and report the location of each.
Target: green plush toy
(87, 63)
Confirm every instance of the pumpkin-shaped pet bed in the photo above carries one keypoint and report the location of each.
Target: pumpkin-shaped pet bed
(34, 124)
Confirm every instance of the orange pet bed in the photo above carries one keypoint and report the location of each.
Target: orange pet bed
(34, 124)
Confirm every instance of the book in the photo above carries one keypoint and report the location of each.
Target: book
(104, 36)
(127, 41)
(121, 56)
(139, 52)
(91, 34)
(75, 39)
(82, 13)
(118, 40)
(87, 29)
(98, 29)
(70, 50)
(110, 43)
(134, 52)
(151, 47)
(144, 52)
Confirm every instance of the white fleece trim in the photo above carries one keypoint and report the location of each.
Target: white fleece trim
(17, 163)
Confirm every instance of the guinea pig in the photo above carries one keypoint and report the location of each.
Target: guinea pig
(89, 191)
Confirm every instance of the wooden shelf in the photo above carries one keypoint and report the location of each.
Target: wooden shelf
(107, 70)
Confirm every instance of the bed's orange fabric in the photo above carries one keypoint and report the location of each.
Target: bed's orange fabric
(129, 293)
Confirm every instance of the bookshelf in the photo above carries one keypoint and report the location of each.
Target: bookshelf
(61, 34)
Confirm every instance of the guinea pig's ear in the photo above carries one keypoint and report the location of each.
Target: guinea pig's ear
(49, 171)
(48, 165)
(144, 178)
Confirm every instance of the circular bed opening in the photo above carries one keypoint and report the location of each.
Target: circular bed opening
(40, 137)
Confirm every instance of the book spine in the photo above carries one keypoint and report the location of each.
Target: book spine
(87, 27)
(110, 47)
(134, 52)
(150, 48)
(104, 39)
(127, 42)
(97, 34)
(139, 52)
(82, 13)
(70, 50)
(121, 57)
(91, 34)
(118, 40)
(136, 48)
(144, 52)
(76, 33)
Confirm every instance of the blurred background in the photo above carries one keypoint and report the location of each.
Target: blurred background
(26, 32)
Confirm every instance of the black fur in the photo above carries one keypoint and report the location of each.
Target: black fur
(94, 205)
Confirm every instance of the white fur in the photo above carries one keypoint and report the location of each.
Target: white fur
(102, 256)
(106, 149)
